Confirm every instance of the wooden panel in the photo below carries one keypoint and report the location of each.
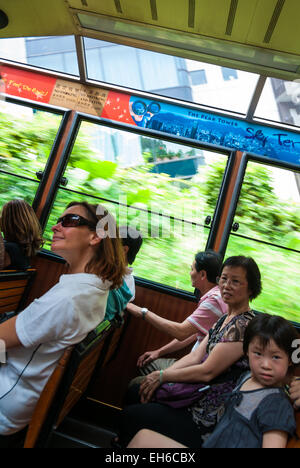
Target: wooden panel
(48, 274)
(12, 284)
(295, 442)
(9, 308)
(9, 300)
(11, 292)
(44, 404)
(80, 381)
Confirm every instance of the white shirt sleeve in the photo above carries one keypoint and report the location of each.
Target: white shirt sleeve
(42, 322)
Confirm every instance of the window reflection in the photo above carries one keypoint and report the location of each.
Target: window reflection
(280, 102)
(183, 79)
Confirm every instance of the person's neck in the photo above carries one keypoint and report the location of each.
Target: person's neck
(238, 308)
(77, 265)
(253, 384)
(206, 287)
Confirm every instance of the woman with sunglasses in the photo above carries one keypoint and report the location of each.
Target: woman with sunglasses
(216, 365)
(22, 235)
(87, 238)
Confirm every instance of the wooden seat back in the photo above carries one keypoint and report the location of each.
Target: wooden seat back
(14, 289)
(67, 384)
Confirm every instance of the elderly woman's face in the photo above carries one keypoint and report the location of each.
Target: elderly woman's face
(234, 285)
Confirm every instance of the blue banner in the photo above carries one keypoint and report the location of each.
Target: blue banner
(205, 127)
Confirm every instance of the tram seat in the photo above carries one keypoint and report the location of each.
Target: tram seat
(14, 288)
(294, 442)
(67, 384)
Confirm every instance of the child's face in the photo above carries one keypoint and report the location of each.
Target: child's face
(269, 365)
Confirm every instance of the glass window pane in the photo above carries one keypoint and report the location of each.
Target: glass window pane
(26, 138)
(16, 187)
(159, 187)
(56, 53)
(170, 76)
(123, 64)
(269, 205)
(268, 214)
(280, 270)
(280, 101)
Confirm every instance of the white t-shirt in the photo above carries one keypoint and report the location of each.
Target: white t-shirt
(60, 318)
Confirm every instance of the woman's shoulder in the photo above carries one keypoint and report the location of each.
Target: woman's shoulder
(245, 318)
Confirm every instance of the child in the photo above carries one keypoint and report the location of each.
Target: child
(258, 413)
(22, 235)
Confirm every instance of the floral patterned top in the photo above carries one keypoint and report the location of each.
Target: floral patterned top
(208, 410)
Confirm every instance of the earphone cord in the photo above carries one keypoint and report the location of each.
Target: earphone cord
(20, 376)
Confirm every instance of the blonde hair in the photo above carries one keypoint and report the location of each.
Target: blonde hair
(109, 260)
(19, 224)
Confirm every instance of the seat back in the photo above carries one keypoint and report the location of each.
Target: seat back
(67, 384)
(294, 442)
(14, 289)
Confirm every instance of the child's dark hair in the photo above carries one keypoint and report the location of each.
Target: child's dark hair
(267, 327)
(133, 240)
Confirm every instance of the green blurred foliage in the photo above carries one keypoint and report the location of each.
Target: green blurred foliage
(169, 245)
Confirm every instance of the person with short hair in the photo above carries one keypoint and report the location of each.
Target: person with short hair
(36, 338)
(204, 272)
(258, 412)
(22, 235)
(119, 298)
(216, 365)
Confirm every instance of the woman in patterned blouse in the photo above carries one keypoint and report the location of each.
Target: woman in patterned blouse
(218, 363)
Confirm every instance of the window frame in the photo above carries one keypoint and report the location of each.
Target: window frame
(231, 156)
(41, 182)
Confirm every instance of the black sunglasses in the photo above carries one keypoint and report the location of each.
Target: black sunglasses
(74, 220)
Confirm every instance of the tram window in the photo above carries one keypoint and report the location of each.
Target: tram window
(280, 102)
(56, 53)
(268, 214)
(164, 185)
(16, 187)
(26, 139)
(169, 76)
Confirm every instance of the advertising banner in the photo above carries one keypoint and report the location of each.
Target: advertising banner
(171, 119)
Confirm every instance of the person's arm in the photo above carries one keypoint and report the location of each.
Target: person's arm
(295, 392)
(150, 439)
(180, 331)
(275, 439)
(188, 368)
(170, 348)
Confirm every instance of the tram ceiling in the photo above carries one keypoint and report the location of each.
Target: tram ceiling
(260, 36)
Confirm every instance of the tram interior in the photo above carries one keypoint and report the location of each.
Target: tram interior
(229, 60)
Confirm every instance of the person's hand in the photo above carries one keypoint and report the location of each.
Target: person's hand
(134, 310)
(295, 392)
(148, 386)
(147, 357)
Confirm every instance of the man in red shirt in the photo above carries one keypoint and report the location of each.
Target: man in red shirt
(204, 273)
